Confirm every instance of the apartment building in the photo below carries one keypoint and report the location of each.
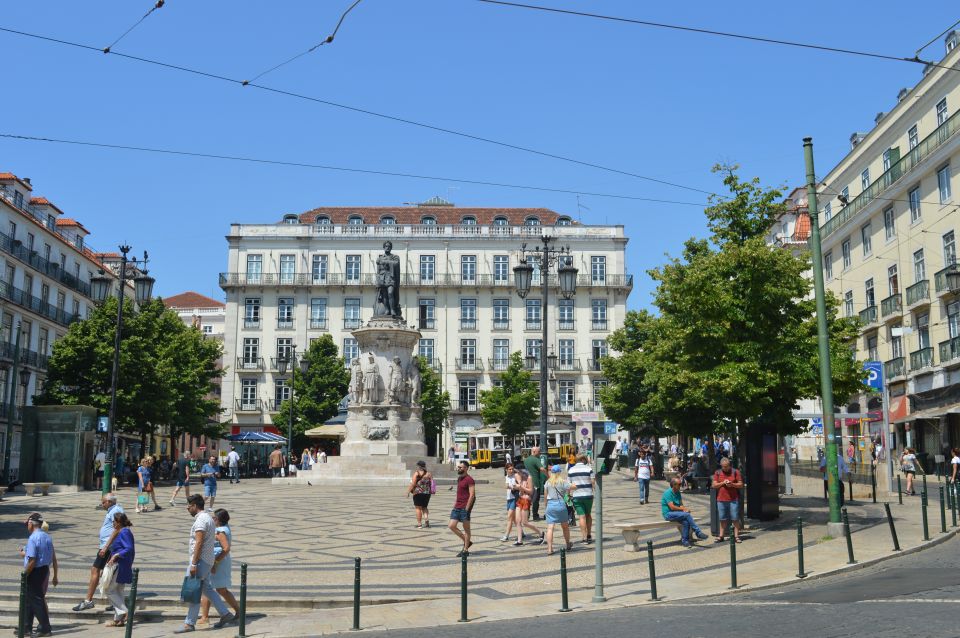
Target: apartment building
(313, 273)
(889, 223)
(44, 287)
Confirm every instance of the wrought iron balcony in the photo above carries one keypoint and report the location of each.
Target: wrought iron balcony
(501, 324)
(892, 305)
(895, 367)
(498, 365)
(947, 280)
(434, 364)
(428, 324)
(248, 405)
(567, 365)
(464, 406)
(251, 324)
(598, 324)
(950, 351)
(284, 324)
(567, 325)
(455, 280)
(470, 364)
(593, 365)
(249, 364)
(468, 324)
(533, 325)
(351, 323)
(918, 293)
(35, 304)
(922, 358)
(318, 324)
(868, 316)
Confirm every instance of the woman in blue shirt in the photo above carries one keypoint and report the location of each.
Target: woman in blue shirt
(122, 555)
(143, 485)
(222, 564)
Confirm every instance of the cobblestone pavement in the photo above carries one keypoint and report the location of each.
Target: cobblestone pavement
(300, 543)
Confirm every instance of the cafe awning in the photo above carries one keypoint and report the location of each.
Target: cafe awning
(930, 413)
(329, 431)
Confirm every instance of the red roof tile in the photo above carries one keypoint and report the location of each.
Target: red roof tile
(801, 231)
(43, 201)
(192, 299)
(10, 177)
(71, 223)
(443, 214)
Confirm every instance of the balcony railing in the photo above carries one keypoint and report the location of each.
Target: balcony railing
(891, 305)
(231, 279)
(428, 324)
(35, 304)
(918, 292)
(251, 324)
(248, 405)
(27, 357)
(948, 279)
(568, 406)
(598, 324)
(949, 350)
(531, 364)
(907, 163)
(533, 325)
(922, 358)
(465, 406)
(34, 260)
(318, 324)
(593, 365)
(501, 324)
(434, 364)
(284, 324)
(567, 325)
(868, 316)
(567, 365)
(469, 364)
(249, 364)
(351, 322)
(468, 324)
(895, 367)
(498, 365)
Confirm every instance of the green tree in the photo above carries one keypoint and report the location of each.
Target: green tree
(434, 400)
(512, 404)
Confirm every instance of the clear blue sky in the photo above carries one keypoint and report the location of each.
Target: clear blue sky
(649, 101)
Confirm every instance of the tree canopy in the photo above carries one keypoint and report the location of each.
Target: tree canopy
(513, 403)
(434, 400)
(319, 391)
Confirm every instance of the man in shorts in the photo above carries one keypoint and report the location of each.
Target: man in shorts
(183, 477)
(466, 497)
(728, 483)
(209, 474)
(582, 480)
(233, 462)
(108, 502)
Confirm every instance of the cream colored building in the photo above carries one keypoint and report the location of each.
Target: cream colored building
(890, 222)
(313, 273)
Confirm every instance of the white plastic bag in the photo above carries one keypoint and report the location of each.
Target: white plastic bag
(107, 577)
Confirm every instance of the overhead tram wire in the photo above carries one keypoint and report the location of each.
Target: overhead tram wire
(159, 4)
(345, 169)
(327, 40)
(725, 34)
(942, 33)
(363, 111)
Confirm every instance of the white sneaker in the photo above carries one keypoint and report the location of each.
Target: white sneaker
(504, 539)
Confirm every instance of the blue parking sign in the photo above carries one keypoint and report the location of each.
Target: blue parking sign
(874, 370)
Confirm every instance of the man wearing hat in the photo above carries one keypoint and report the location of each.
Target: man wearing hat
(37, 557)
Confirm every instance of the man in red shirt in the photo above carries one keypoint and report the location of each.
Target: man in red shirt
(466, 496)
(728, 483)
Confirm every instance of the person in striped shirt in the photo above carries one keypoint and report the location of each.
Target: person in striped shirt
(581, 477)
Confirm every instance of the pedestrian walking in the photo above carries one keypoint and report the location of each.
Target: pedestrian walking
(233, 465)
(582, 479)
(524, 499)
(276, 461)
(323, 456)
(451, 455)
(108, 532)
(306, 459)
(842, 470)
(462, 506)
(154, 473)
(183, 477)
(673, 510)
(202, 555)
(38, 556)
(144, 485)
(98, 462)
(538, 473)
(642, 470)
(122, 553)
(421, 487)
(220, 573)
(209, 474)
(556, 489)
(908, 465)
(510, 480)
(728, 483)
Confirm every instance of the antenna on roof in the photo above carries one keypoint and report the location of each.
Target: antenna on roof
(580, 208)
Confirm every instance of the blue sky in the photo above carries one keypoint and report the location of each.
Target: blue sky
(654, 102)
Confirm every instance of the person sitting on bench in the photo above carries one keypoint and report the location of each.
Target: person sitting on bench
(673, 510)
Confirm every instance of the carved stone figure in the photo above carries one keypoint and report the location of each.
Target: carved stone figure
(395, 381)
(356, 381)
(371, 376)
(388, 284)
(395, 431)
(414, 383)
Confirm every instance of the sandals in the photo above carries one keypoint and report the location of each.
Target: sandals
(116, 623)
(718, 539)
(738, 541)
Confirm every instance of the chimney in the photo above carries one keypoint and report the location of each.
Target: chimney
(27, 180)
(879, 116)
(902, 94)
(855, 139)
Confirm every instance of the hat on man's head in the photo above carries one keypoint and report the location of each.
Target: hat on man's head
(35, 517)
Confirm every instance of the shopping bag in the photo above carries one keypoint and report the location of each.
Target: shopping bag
(143, 499)
(190, 590)
(107, 577)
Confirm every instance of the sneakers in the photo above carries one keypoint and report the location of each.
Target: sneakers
(462, 553)
(543, 538)
(184, 630)
(504, 539)
(686, 544)
(426, 524)
(85, 604)
(108, 608)
(224, 621)
(157, 507)
(518, 543)
(701, 536)
(172, 503)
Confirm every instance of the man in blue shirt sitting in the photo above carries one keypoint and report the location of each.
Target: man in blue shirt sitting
(37, 558)
(673, 510)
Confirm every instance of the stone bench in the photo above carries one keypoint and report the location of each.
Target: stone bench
(631, 532)
(32, 488)
(3, 491)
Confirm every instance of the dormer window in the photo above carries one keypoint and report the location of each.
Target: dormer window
(322, 220)
(355, 220)
(564, 221)
(388, 220)
(18, 199)
(428, 221)
(469, 220)
(531, 221)
(500, 220)
(291, 219)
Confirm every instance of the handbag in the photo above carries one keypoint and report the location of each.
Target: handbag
(190, 590)
(148, 487)
(107, 577)
(433, 486)
(143, 499)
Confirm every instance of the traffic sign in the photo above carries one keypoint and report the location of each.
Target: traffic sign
(874, 370)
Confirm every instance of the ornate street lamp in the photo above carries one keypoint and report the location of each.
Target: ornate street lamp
(523, 274)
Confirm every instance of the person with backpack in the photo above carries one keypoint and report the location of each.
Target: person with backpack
(421, 487)
(728, 482)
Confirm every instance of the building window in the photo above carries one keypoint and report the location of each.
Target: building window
(291, 219)
(351, 312)
(353, 268)
(886, 160)
(501, 268)
(598, 352)
(848, 304)
(288, 268)
(533, 314)
(866, 240)
(953, 322)
(531, 221)
(501, 354)
(533, 349)
(500, 221)
(923, 331)
(322, 220)
(285, 312)
(598, 314)
(428, 221)
(889, 225)
(896, 341)
(427, 313)
(869, 293)
(428, 264)
(563, 220)
(872, 350)
(943, 184)
(319, 269)
(893, 281)
(468, 268)
(827, 212)
(284, 347)
(565, 313)
(281, 392)
(318, 313)
(425, 350)
(828, 264)
(914, 197)
(845, 251)
(254, 268)
(949, 249)
(355, 220)
(251, 352)
(566, 395)
(468, 354)
(350, 350)
(941, 111)
(251, 312)
(501, 314)
(468, 220)
(913, 136)
(598, 387)
(919, 267)
(598, 268)
(865, 179)
(248, 394)
(468, 395)
(388, 220)
(468, 314)
(566, 354)
(43, 341)
(76, 308)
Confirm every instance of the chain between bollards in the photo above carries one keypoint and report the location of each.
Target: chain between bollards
(22, 615)
(564, 606)
(132, 604)
(846, 532)
(899, 490)
(356, 594)
(800, 572)
(923, 511)
(242, 630)
(733, 561)
(893, 530)
(463, 589)
(653, 571)
(943, 512)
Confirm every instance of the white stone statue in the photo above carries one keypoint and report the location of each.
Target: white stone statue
(395, 381)
(371, 375)
(356, 382)
(414, 382)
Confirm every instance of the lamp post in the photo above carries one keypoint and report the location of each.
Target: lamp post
(546, 257)
(290, 359)
(100, 287)
(11, 404)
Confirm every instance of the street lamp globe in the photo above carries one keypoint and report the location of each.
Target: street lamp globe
(567, 273)
(100, 287)
(282, 363)
(531, 360)
(304, 365)
(523, 275)
(143, 288)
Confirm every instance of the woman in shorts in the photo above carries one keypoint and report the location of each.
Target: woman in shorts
(524, 501)
(510, 478)
(421, 485)
(908, 465)
(556, 489)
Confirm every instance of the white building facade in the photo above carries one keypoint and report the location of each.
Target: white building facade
(313, 273)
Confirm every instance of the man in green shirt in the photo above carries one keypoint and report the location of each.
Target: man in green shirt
(673, 510)
(535, 468)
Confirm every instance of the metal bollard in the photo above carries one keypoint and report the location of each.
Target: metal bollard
(242, 630)
(846, 532)
(923, 511)
(356, 594)
(653, 571)
(943, 512)
(953, 503)
(800, 572)
(899, 490)
(850, 485)
(733, 561)
(924, 475)
(22, 617)
(132, 603)
(873, 482)
(563, 581)
(893, 530)
(463, 589)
